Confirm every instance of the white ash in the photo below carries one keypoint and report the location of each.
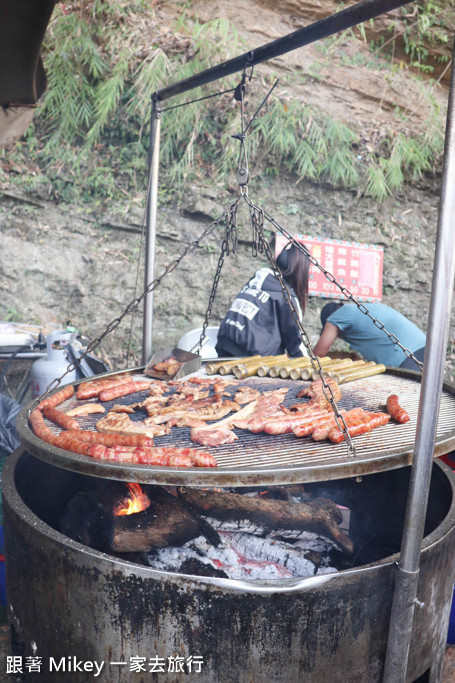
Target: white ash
(325, 569)
(243, 556)
(269, 550)
(244, 526)
(171, 559)
(308, 540)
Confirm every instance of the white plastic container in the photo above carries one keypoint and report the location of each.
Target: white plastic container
(46, 370)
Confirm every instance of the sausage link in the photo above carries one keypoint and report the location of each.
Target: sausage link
(38, 426)
(112, 439)
(396, 411)
(65, 440)
(57, 398)
(123, 389)
(322, 429)
(336, 435)
(201, 459)
(360, 425)
(145, 456)
(95, 386)
(167, 456)
(69, 443)
(60, 419)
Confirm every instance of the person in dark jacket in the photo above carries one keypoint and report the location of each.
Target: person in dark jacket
(259, 321)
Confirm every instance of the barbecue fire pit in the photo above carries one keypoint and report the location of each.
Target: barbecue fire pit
(84, 586)
(80, 606)
(70, 604)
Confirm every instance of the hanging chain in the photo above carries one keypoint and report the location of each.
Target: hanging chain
(229, 244)
(327, 390)
(133, 305)
(259, 245)
(257, 223)
(331, 278)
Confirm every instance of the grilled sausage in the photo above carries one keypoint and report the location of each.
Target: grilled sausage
(112, 439)
(361, 425)
(57, 398)
(123, 389)
(38, 426)
(396, 411)
(322, 429)
(94, 450)
(95, 386)
(59, 418)
(167, 456)
(146, 456)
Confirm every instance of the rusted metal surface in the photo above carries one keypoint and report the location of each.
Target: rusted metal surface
(260, 459)
(66, 599)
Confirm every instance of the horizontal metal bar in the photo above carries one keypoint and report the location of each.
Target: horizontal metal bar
(340, 21)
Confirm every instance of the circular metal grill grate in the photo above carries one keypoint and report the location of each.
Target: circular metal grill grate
(262, 459)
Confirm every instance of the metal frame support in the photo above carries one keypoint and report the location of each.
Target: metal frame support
(150, 237)
(407, 576)
(340, 21)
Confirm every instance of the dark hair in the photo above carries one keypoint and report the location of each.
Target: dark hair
(328, 309)
(295, 268)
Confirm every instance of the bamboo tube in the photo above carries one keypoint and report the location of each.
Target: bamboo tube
(350, 371)
(264, 368)
(248, 370)
(366, 371)
(274, 370)
(341, 369)
(296, 373)
(213, 368)
(307, 372)
(346, 365)
(285, 370)
(228, 368)
(293, 371)
(333, 367)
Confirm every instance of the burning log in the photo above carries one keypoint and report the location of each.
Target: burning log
(94, 519)
(165, 522)
(320, 516)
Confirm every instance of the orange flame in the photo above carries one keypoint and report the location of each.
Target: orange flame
(136, 501)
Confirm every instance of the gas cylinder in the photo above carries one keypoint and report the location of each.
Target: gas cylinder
(46, 370)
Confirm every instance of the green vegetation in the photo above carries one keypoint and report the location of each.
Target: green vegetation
(426, 25)
(89, 141)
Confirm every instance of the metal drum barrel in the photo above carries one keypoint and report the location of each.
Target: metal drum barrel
(73, 606)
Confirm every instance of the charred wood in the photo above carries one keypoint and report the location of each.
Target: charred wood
(320, 516)
(167, 522)
(89, 519)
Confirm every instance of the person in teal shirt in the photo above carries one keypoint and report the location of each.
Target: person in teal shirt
(346, 321)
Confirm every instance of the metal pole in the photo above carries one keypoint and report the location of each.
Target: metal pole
(406, 581)
(150, 236)
(340, 21)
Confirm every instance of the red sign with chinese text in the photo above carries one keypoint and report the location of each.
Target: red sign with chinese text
(356, 266)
